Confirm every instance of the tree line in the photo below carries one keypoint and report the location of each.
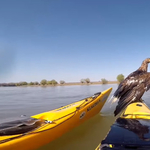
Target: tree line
(53, 82)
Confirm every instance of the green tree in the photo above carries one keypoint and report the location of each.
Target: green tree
(82, 80)
(36, 83)
(54, 82)
(120, 78)
(104, 81)
(49, 82)
(62, 82)
(23, 83)
(43, 82)
(11, 84)
(17, 84)
(31, 83)
(87, 80)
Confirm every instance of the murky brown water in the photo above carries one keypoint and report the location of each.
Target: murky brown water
(84, 137)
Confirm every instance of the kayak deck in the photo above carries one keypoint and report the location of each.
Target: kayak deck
(136, 111)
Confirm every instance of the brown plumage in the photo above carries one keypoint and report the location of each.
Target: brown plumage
(132, 88)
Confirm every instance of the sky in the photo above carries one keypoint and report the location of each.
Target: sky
(72, 40)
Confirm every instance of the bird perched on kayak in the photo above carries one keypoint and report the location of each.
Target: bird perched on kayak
(132, 88)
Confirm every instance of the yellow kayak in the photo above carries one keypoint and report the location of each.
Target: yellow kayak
(130, 131)
(38, 130)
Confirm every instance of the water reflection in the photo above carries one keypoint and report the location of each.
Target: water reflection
(135, 126)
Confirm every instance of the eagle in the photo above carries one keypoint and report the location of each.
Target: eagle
(132, 88)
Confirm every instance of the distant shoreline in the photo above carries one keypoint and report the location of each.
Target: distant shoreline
(64, 84)
(91, 83)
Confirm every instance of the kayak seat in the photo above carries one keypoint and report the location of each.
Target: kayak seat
(20, 126)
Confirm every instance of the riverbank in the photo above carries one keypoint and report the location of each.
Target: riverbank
(58, 84)
(75, 83)
(91, 83)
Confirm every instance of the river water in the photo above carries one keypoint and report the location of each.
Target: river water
(17, 101)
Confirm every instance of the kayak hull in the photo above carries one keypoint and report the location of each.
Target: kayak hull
(58, 122)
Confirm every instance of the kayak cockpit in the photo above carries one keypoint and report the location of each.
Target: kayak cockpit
(20, 126)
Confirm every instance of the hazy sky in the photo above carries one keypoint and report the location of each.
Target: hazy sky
(70, 40)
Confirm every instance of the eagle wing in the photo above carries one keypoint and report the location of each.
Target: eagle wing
(129, 83)
(148, 81)
(131, 89)
(130, 96)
